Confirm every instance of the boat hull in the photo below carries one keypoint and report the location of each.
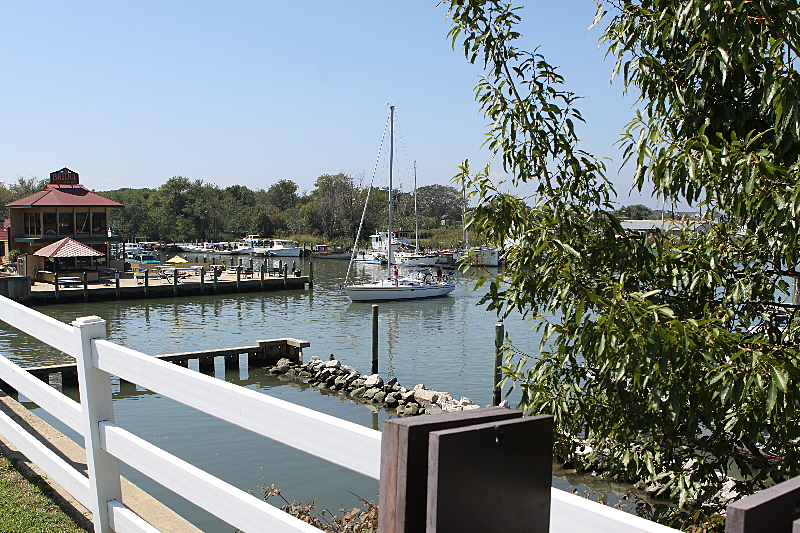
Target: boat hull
(388, 291)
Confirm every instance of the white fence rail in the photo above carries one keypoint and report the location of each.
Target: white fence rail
(344, 443)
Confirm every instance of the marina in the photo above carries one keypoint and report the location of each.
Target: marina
(444, 343)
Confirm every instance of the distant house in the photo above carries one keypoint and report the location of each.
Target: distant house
(65, 208)
(666, 226)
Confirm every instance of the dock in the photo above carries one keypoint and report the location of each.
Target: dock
(129, 286)
(262, 353)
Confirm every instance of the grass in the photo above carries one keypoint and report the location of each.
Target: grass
(25, 506)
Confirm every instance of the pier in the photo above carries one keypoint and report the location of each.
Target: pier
(150, 284)
(262, 353)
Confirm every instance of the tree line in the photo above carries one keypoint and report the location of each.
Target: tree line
(185, 210)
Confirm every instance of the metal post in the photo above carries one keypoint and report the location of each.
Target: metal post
(55, 284)
(85, 288)
(310, 275)
(499, 337)
(95, 393)
(374, 338)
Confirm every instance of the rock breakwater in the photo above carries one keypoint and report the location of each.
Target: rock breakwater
(371, 388)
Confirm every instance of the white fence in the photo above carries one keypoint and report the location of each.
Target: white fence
(345, 443)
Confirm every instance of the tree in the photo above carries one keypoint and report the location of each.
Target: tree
(672, 359)
(635, 212)
(282, 195)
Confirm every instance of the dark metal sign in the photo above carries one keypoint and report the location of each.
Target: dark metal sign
(64, 177)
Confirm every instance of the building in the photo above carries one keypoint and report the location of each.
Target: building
(65, 208)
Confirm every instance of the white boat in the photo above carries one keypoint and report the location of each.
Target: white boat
(396, 288)
(409, 259)
(279, 248)
(370, 258)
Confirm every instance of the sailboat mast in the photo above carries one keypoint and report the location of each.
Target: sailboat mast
(416, 218)
(391, 162)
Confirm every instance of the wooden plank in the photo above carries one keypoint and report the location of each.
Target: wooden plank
(570, 513)
(63, 408)
(75, 483)
(48, 330)
(404, 464)
(123, 520)
(771, 510)
(338, 441)
(236, 507)
(510, 460)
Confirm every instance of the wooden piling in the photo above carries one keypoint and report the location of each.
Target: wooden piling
(310, 275)
(55, 284)
(261, 283)
(285, 274)
(202, 281)
(175, 281)
(499, 337)
(116, 284)
(85, 288)
(238, 278)
(374, 338)
(146, 283)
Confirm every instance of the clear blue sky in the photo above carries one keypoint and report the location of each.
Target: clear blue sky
(129, 94)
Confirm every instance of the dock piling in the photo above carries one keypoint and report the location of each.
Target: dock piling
(202, 281)
(175, 281)
(146, 283)
(374, 338)
(85, 288)
(238, 277)
(310, 275)
(55, 284)
(499, 336)
(116, 284)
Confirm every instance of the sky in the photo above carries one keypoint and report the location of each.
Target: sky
(130, 94)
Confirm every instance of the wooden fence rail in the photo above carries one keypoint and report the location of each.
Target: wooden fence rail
(456, 448)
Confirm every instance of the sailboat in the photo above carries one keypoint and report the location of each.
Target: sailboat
(415, 258)
(423, 285)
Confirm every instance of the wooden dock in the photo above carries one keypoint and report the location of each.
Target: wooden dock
(262, 353)
(129, 287)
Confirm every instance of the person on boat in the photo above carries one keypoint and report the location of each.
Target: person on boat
(394, 274)
(438, 274)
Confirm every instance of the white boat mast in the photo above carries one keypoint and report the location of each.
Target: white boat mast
(416, 218)
(391, 160)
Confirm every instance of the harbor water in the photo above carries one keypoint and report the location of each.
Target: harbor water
(445, 343)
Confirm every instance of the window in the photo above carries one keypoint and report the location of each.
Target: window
(99, 222)
(82, 222)
(49, 223)
(32, 223)
(65, 224)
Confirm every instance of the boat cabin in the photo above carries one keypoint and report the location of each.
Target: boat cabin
(401, 239)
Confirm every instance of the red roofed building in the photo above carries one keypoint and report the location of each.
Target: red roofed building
(65, 208)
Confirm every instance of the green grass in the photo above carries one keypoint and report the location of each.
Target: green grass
(25, 506)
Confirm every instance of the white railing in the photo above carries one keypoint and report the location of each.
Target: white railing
(345, 443)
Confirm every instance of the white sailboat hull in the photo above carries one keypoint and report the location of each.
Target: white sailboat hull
(387, 290)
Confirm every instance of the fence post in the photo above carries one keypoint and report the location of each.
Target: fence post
(432, 465)
(95, 393)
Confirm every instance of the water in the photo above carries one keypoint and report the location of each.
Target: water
(446, 343)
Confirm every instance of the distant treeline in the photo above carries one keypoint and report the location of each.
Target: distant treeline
(185, 210)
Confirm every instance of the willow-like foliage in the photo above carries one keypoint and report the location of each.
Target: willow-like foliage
(673, 356)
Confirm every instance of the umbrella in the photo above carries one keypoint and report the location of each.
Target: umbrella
(177, 259)
(67, 247)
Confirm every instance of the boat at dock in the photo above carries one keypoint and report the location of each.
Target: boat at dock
(278, 248)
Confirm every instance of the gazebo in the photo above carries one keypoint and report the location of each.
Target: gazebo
(68, 250)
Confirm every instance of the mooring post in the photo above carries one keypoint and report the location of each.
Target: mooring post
(294, 267)
(238, 276)
(202, 280)
(216, 275)
(85, 288)
(374, 338)
(55, 284)
(116, 284)
(175, 281)
(499, 336)
(310, 275)
(146, 282)
(285, 274)
(251, 263)
(263, 266)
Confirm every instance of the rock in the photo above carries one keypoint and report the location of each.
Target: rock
(470, 407)
(314, 359)
(419, 386)
(371, 392)
(424, 396)
(304, 374)
(333, 363)
(407, 396)
(464, 401)
(392, 382)
(330, 381)
(324, 374)
(291, 373)
(283, 365)
(359, 392)
(375, 380)
(396, 387)
(432, 409)
(505, 404)
(450, 407)
(391, 400)
(411, 409)
(379, 397)
(349, 369)
(444, 397)
(340, 380)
